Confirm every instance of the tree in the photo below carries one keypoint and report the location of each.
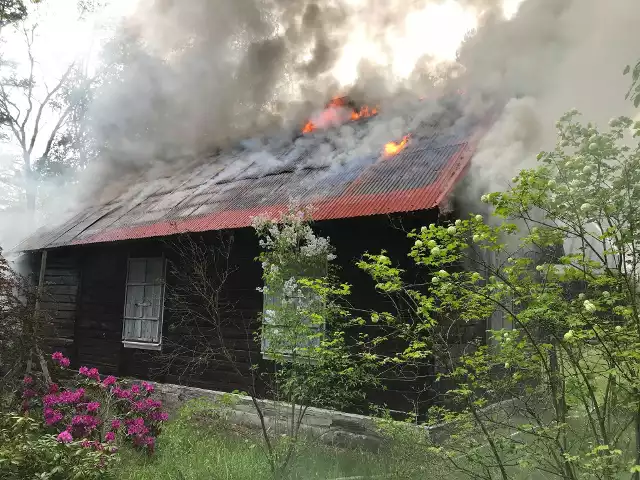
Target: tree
(313, 355)
(561, 377)
(11, 11)
(44, 121)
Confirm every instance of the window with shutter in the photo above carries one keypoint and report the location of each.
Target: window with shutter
(279, 336)
(144, 303)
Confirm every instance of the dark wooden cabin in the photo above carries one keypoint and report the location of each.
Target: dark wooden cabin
(106, 274)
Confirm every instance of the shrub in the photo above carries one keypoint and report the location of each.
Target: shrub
(25, 452)
(99, 412)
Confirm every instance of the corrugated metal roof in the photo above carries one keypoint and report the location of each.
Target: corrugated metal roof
(228, 194)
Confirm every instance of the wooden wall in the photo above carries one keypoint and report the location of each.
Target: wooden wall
(59, 299)
(93, 277)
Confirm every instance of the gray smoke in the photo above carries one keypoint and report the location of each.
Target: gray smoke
(190, 79)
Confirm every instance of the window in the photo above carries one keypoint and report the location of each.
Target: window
(285, 331)
(144, 303)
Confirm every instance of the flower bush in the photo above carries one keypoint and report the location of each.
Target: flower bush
(100, 413)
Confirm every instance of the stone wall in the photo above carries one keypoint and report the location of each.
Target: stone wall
(328, 426)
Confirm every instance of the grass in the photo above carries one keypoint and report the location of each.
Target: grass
(190, 451)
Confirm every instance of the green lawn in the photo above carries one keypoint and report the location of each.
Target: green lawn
(190, 451)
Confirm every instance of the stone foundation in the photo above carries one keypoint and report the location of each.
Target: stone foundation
(328, 426)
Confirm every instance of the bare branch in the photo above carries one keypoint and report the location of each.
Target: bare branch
(29, 39)
(45, 102)
(61, 121)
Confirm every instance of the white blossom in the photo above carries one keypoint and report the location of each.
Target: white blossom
(424, 229)
(458, 222)
(569, 335)
(435, 251)
(418, 243)
(589, 306)
(478, 218)
(451, 230)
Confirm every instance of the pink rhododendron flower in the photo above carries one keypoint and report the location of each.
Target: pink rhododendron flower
(150, 442)
(28, 393)
(148, 387)
(136, 427)
(63, 398)
(110, 380)
(159, 416)
(64, 437)
(110, 437)
(27, 380)
(116, 424)
(53, 388)
(93, 406)
(60, 359)
(121, 393)
(51, 416)
(135, 389)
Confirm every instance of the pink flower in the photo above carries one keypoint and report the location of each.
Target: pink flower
(150, 442)
(93, 406)
(136, 427)
(53, 388)
(120, 393)
(110, 437)
(60, 359)
(65, 437)
(159, 416)
(116, 424)
(51, 416)
(148, 387)
(27, 380)
(28, 393)
(135, 389)
(110, 380)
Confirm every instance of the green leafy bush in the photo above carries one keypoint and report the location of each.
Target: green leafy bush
(28, 453)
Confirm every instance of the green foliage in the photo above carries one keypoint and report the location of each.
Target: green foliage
(634, 90)
(318, 357)
(195, 450)
(556, 391)
(12, 11)
(26, 452)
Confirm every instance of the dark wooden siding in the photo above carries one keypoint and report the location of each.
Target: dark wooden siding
(59, 300)
(100, 307)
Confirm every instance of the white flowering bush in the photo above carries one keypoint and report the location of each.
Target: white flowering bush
(560, 269)
(311, 339)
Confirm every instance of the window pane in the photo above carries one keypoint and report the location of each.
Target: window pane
(149, 331)
(137, 269)
(132, 329)
(154, 270)
(135, 298)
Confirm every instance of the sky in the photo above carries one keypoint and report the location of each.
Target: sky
(437, 30)
(64, 37)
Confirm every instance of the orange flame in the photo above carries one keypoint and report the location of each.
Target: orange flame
(331, 115)
(392, 148)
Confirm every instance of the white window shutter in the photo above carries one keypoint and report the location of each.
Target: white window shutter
(144, 300)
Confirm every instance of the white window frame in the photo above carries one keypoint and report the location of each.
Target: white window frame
(139, 343)
(287, 354)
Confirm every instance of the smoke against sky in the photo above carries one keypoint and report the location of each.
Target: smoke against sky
(196, 76)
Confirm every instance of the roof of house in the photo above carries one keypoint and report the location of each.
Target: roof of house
(228, 191)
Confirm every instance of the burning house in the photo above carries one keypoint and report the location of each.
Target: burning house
(105, 269)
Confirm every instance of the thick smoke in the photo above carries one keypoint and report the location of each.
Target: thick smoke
(186, 80)
(554, 55)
